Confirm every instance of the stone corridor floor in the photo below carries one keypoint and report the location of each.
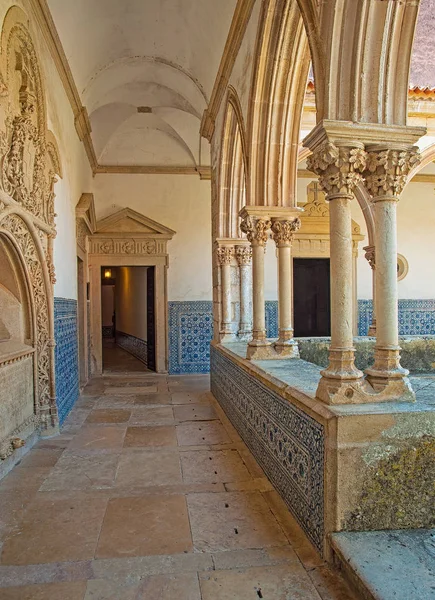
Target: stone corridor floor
(148, 493)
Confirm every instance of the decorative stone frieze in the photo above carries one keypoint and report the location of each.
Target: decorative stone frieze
(256, 229)
(225, 255)
(370, 256)
(339, 168)
(283, 231)
(387, 171)
(126, 246)
(244, 255)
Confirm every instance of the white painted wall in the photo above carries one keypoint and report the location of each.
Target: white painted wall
(181, 202)
(131, 301)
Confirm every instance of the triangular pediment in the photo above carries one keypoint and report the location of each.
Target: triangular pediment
(131, 221)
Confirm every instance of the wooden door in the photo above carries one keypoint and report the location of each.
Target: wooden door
(151, 321)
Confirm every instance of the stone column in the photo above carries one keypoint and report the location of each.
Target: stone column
(370, 257)
(283, 231)
(256, 229)
(225, 255)
(244, 260)
(339, 169)
(386, 176)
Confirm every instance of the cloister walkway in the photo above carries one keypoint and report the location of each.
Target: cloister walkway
(149, 493)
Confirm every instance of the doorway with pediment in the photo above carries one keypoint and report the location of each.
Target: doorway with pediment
(128, 262)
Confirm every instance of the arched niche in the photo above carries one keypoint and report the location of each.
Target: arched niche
(30, 164)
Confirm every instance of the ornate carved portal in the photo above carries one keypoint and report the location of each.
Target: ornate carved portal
(128, 238)
(29, 165)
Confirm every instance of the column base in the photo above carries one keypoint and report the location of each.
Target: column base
(387, 377)
(244, 336)
(286, 348)
(260, 350)
(227, 337)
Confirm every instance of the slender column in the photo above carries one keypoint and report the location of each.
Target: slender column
(256, 229)
(225, 255)
(283, 230)
(244, 260)
(386, 175)
(371, 259)
(339, 168)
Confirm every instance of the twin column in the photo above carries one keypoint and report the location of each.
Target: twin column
(342, 164)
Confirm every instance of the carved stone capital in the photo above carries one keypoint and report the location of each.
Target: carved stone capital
(283, 231)
(225, 255)
(387, 171)
(244, 255)
(339, 168)
(370, 256)
(256, 229)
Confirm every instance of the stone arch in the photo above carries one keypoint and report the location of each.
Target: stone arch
(277, 95)
(30, 165)
(233, 168)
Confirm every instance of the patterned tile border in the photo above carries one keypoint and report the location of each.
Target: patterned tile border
(271, 318)
(136, 346)
(66, 355)
(287, 443)
(190, 333)
(416, 317)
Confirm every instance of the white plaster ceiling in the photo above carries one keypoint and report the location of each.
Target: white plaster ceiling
(161, 55)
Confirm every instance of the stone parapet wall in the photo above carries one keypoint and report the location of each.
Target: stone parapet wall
(418, 352)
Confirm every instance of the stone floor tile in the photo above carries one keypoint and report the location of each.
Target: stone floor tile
(98, 438)
(108, 415)
(190, 398)
(25, 478)
(56, 528)
(157, 587)
(150, 399)
(161, 415)
(82, 471)
(52, 591)
(233, 520)
(127, 390)
(195, 412)
(222, 465)
(148, 469)
(330, 584)
(55, 572)
(115, 402)
(143, 437)
(204, 432)
(283, 582)
(308, 555)
(12, 507)
(40, 458)
(60, 442)
(259, 484)
(143, 526)
(235, 559)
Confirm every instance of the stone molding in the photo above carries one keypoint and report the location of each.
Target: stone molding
(370, 256)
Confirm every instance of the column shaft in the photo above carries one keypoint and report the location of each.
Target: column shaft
(258, 304)
(245, 299)
(226, 298)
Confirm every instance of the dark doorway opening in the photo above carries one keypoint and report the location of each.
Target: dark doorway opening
(312, 297)
(128, 318)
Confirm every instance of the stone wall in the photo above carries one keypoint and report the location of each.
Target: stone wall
(66, 355)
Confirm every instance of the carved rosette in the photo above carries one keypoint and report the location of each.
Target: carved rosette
(387, 171)
(339, 168)
(256, 229)
(225, 255)
(283, 231)
(370, 256)
(244, 255)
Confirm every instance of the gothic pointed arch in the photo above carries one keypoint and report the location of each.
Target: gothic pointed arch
(29, 167)
(233, 168)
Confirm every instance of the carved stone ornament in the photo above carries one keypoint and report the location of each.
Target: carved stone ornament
(370, 256)
(244, 255)
(225, 255)
(256, 229)
(339, 168)
(283, 231)
(387, 171)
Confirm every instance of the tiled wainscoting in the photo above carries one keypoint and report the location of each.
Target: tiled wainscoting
(416, 317)
(108, 331)
(66, 355)
(287, 443)
(190, 333)
(272, 318)
(136, 346)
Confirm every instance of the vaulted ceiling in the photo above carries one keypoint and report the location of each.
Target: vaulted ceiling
(145, 70)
